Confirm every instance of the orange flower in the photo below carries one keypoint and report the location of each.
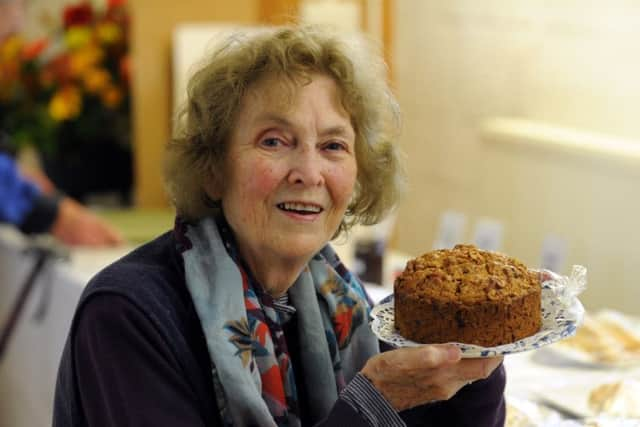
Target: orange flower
(79, 77)
(66, 103)
(96, 80)
(85, 58)
(111, 96)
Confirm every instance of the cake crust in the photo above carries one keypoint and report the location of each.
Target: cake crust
(467, 295)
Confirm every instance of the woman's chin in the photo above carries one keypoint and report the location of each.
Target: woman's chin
(301, 250)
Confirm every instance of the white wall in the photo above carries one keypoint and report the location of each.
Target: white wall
(572, 63)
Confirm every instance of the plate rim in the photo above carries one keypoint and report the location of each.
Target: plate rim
(475, 351)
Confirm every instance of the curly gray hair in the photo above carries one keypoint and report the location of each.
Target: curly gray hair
(197, 153)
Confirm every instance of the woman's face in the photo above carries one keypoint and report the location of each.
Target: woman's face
(290, 169)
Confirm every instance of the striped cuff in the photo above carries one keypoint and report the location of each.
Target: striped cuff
(365, 399)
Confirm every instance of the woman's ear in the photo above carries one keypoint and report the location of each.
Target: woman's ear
(212, 187)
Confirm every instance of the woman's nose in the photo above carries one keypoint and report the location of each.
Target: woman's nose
(306, 168)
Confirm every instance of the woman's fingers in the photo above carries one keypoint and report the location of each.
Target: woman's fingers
(77, 225)
(413, 376)
(415, 360)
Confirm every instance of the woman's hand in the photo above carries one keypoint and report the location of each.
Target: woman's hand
(77, 225)
(409, 377)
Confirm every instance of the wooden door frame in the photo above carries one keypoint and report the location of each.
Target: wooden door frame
(277, 12)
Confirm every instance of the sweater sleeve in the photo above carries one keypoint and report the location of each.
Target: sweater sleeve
(126, 373)
(21, 202)
(480, 404)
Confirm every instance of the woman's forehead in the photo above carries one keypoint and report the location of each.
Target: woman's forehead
(280, 92)
(278, 88)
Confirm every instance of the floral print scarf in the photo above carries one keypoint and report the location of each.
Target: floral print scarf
(252, 370)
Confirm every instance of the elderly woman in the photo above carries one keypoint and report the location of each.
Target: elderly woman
(243, 315)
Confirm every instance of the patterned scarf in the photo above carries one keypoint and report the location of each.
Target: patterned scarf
(252, 370)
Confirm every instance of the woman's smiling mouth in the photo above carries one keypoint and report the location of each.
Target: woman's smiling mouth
(300, 208)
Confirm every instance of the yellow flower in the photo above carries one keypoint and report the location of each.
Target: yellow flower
(85, 58)
(77, 36)
(10, 49)
(108, 32)
(66, 103)
(96, 79)
(111, 96)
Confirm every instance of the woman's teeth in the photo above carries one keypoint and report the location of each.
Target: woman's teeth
(299, 207)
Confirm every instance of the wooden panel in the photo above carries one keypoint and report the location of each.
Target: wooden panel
(364, 15)
(388, 20)
(278, 12)
(153, 22)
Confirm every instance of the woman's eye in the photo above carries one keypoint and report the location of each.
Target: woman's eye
(271, 142)
(335, 146)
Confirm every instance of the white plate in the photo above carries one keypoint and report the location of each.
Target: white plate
(562, 313)
(574, 399)
(620, 352)
(564, 355)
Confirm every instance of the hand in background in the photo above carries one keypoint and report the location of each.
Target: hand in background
(38, 177)
(77, 225)
(409, 377)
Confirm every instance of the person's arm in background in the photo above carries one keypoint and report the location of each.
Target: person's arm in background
(24, 205)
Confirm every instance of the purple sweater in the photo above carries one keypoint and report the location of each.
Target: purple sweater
(136, 355)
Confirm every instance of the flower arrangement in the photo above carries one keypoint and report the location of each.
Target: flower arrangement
(65, 92)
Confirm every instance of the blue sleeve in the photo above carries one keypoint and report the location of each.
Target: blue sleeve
(21, 202)
(17, 195)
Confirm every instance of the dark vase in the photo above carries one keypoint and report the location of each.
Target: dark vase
(94, 169)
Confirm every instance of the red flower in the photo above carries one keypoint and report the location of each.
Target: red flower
(79, 14)
(113, 4)
(32, 50)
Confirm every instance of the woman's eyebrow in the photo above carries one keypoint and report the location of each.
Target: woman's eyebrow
(338, 130)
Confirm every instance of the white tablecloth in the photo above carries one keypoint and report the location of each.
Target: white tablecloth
(28, 368)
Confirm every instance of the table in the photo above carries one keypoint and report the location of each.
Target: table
(28, 370)
(547, 379)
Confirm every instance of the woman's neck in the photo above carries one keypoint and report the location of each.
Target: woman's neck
(275, 274)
